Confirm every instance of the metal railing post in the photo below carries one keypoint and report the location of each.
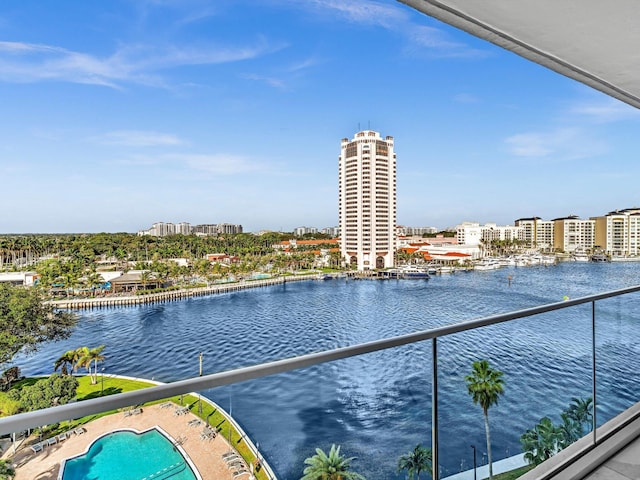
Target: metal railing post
(593, 369)
(434, 412)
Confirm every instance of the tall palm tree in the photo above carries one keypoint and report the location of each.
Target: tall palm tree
(485, 385)
(67, 362)
(89, 356)
(416, 461)
(329, 467)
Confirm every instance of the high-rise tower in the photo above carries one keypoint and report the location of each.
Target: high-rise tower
(367, 192)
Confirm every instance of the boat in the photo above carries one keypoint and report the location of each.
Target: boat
(412, 272)
(579, 255)
(487, 264)
(599, 257)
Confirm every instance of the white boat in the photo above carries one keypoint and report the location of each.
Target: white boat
(580, 256)
(415, 272)
(487, 264)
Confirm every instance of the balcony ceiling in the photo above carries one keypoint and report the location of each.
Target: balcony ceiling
(592, 41)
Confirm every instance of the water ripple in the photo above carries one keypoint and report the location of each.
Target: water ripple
(377, 406)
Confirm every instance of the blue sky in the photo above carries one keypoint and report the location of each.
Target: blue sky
(116, 115)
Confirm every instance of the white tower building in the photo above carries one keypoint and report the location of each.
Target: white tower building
(367, 200)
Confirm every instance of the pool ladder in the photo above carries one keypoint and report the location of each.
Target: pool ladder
(166, 472)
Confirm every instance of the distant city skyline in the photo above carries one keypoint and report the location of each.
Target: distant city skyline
(122, 114)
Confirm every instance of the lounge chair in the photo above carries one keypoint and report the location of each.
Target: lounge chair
(79, 430)
(136, 411)
(127, 413)
(36, 447)
(237, 473)
(237, 465)
(229, 454)
(166, 404)
(62, 437)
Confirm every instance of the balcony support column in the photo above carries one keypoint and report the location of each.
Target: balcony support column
(434, 411)
(593, 370)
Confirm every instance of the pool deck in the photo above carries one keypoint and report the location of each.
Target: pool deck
(206, 454)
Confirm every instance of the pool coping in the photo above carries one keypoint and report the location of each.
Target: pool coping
(173, 441)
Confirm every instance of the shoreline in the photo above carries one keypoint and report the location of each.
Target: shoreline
(175, 295)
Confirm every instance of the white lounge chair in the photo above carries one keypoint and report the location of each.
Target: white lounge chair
(36, 447)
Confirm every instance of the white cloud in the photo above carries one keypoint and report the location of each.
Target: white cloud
(219, 164)
(606, 111)
(465, 98)
(27, 62)
(561, 144)
(271, 81)
(369, 12)
(137, 138)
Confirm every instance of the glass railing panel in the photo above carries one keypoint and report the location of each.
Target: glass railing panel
(545, 360)
(617, 355)
(375, 406)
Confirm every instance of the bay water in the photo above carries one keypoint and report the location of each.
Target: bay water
(378, 406)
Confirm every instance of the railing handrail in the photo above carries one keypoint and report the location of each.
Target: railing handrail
(27, 420)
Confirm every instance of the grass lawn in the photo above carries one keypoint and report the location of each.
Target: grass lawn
(511, 475)
(113, 385)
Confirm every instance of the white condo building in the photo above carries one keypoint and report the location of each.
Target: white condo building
(367, 200)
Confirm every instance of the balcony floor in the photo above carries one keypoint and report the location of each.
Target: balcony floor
(622, 466)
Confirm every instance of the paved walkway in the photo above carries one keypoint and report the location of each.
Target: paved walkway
(500, 466)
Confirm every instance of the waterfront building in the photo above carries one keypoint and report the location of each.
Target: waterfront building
(367, 200)
(537, 233)
(618, 233)
(572, 233)
(491, 232)
(469, 233)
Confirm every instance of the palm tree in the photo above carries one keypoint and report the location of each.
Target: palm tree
(416, 461)
(89, 356)
(581, 410)
(485, 385)
(329, 467)
(541, 442)
(67, 362)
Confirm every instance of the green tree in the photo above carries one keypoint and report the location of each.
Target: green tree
(329, 467)
(581, 411)
(485, 385)
(67, 362)
(54, 390)
(416, 461)
(87, 357)
(6, 470)
(26, 321)
(541, 442)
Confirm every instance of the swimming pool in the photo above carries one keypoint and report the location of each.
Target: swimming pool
(127, 454)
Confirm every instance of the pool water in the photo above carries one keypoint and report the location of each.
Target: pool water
(125, 455)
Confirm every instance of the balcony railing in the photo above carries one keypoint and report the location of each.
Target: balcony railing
(24, 421)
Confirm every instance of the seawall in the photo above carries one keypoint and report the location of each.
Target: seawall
(174, 295)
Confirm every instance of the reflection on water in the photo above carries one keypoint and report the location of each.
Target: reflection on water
(378, 406)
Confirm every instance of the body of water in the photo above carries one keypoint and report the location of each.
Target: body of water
(378, 406)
